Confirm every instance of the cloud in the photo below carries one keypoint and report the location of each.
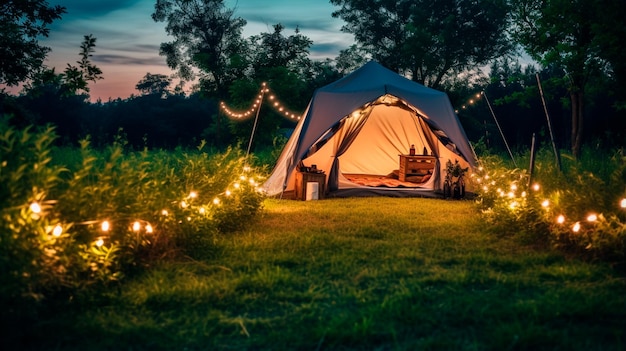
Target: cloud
(111, 59)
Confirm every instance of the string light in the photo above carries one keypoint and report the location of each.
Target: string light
(264, 92)
(136, 226)
(57, 231)
(576, 227)
(592, 217)
(622, 203)
(105, 226)
(35, 208)
(560, 219)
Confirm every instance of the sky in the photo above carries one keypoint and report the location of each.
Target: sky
(128, 40)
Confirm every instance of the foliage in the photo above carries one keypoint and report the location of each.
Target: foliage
(156, 84)
(428, 40)
(108, 213)
(21, 24)
(578, 210)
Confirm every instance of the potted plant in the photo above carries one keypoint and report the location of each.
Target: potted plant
(454, 183)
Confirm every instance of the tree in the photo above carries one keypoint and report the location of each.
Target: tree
(561, 33)
(21, 23)
(207, 37)
(74, 80)
(154, 84)
(428, 40)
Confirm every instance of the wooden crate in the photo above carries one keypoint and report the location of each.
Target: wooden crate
(415, 165)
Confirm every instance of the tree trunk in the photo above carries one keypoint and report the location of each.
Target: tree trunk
(576, 97)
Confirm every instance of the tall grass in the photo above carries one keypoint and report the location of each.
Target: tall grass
(355, 274)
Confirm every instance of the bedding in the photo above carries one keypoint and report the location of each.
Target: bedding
(388, 181)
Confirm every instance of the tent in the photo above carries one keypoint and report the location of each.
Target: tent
(355, 130)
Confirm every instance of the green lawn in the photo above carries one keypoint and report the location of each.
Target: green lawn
(352, 274)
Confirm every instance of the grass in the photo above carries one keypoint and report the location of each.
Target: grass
(351, 274)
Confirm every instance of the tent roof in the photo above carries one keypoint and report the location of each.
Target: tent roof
(336, 100)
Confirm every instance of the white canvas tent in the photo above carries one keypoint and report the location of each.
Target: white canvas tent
(360, 124)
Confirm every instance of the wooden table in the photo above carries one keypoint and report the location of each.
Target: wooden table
(415, 165)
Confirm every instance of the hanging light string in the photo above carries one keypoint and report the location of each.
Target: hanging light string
(264, 94)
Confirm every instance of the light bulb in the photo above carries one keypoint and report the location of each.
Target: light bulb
(592, 217)
(560, 219)
(35, 207)
(105, 226)
(149, 228)
(57, 231)
(136, 226)
(576, 227)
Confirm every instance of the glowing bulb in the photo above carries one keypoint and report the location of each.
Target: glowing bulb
(228, 193)
(136, 226)
(105, 226)
(165, 213)
(216, 201)
(202, 210)
(576, 227)
(35, 207)
(57, 231)
(623, 203)
(193, 194)
(513, 186)
(560, 219)
(242, 177)
(183, 204)
(236, 185)
(524, 194)
(536, 187)
(99, 242)
(513, 205)
(246, 169)
(511, 194)
(545, 203)
(149, 229)
(592, 217)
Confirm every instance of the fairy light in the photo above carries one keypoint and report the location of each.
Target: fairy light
(576, 227)
(149, 229)
(193, 195)
(264, 92)
(99, 242)
(35, 207)
(545, 203)
(136, 226)
(57, 231)
(592, 217)
(165, 213)
(105, 226)
(183, 204)
(622, 203)
(536, 187)
(202, 210)
(216, 201)
(227, 193)
(560, 219)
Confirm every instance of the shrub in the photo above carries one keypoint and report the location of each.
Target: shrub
(579, 209)
(110, 212)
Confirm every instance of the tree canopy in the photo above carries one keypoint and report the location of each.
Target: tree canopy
(428, 40)
(21, 24)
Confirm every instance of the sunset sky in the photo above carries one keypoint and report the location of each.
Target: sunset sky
(128, 40)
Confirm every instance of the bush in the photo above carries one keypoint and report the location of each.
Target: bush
(580, 209)
(104, 214)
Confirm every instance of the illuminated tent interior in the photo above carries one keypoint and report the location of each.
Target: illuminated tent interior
(355, 129)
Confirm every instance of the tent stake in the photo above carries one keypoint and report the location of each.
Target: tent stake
(500, 129)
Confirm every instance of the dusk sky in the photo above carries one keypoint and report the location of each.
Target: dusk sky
(128, 40)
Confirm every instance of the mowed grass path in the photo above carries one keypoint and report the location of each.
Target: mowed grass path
(357, 274)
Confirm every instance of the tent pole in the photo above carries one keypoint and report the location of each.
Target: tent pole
(500, 129)
(256, 120)
(545, 110)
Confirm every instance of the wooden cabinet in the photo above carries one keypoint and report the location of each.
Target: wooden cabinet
(302, 178)
(415, 165)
